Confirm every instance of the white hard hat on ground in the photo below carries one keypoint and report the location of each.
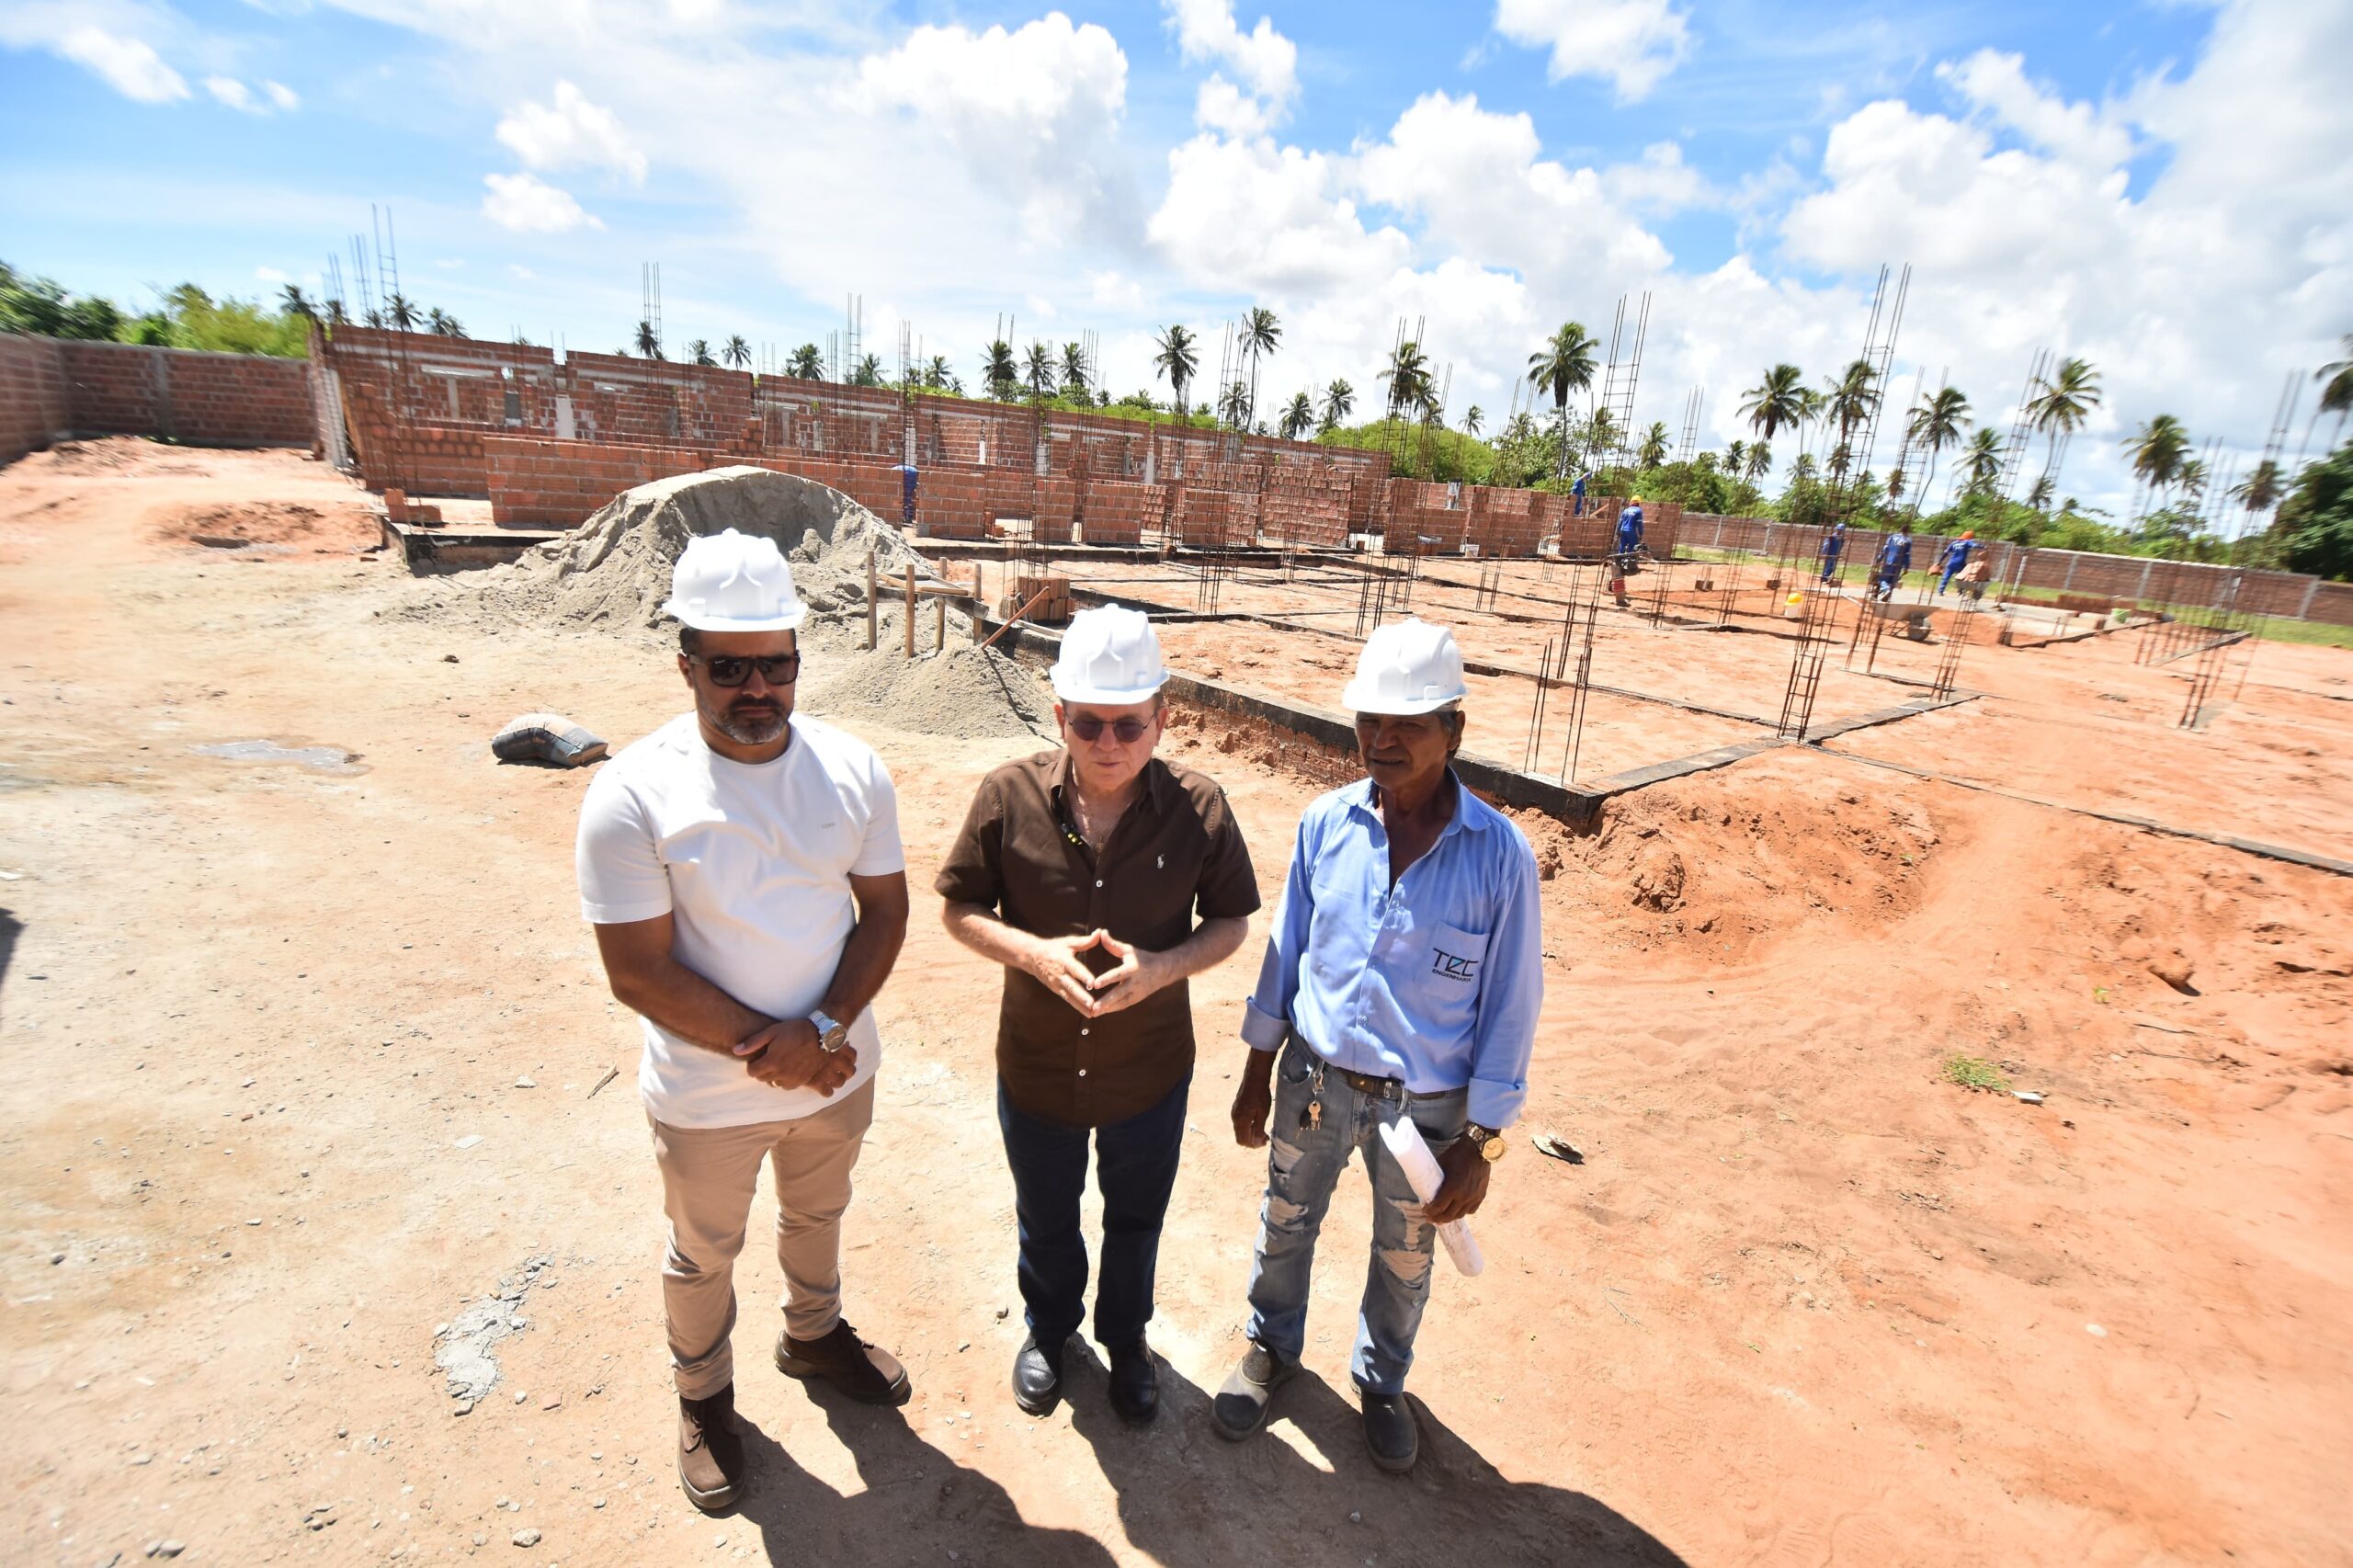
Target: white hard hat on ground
(1408, 668)
(1109, 656)
(733, 582)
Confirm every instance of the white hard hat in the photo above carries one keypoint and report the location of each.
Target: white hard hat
(733, 582)
(1408, 668)
(1109, 656)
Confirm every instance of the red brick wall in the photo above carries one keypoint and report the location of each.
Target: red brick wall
(1207, 518)
(1118, 511)
(183, 394)
(1417, 511)
(33, 404)
(545, 483)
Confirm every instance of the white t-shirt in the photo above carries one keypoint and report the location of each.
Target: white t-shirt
(753, 862)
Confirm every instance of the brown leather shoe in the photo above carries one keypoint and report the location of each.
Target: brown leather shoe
(866, 1372)
(711, 1451)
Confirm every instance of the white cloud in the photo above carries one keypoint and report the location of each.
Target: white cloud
(1267, 62)
(1225, 108)
(232, 92)
(271, 275)
(286, 99)
(1996, 83)
(127, 64)
(1249, 217)
(528, 205)
(1632, 43)
(570, 133)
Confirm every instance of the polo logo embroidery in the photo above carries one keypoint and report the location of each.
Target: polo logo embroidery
(1452, 965)
(1159, 862)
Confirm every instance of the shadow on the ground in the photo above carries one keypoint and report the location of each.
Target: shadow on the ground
(919, 1506)
(1191, 1499)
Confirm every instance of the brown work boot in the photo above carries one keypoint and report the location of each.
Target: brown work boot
(866, 1372)
(711, 1451)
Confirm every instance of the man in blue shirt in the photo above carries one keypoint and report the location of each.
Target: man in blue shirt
(1895, 560)
(1956, 556)
(1402, 981)
(1834, 545)
(1630, 539)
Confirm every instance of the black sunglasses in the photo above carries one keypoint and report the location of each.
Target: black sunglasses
(781, 669)
(1090, 727)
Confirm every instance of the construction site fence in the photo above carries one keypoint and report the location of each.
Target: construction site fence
(2172, 587)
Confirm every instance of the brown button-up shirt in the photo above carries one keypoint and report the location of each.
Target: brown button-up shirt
(1175, 854)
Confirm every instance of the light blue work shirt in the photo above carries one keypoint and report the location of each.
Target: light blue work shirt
(1436, 982)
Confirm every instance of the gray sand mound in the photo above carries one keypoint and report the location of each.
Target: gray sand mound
(612, 573)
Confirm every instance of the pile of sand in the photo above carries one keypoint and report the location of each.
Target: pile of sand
(612, 573)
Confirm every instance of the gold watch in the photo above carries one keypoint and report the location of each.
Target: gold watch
(1486, 1139)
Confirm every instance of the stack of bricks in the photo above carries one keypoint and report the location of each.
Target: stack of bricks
(1054, 606)
(1215, 519)
(401, 509)
(1305, 505)
(1118, 511)
(1425, 518)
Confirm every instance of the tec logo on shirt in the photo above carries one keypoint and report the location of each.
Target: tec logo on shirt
(1453, 966)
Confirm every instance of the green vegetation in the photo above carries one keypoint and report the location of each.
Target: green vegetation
(187, 317)
(1974, 1072)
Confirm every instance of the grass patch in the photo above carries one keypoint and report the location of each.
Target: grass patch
(1974, 1072)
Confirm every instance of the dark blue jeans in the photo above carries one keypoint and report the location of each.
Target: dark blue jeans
(1135, 1167)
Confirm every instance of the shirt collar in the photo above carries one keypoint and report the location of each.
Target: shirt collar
(1159, 781)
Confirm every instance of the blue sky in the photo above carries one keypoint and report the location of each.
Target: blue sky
(2160, 188)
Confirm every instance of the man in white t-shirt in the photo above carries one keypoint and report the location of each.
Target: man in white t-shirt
(743, 868)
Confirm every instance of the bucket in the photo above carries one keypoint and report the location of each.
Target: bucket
(1794, 609)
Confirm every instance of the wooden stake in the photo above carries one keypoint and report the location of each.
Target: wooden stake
(940, 626)
(911, 609)
(980, 604)
(872, 609)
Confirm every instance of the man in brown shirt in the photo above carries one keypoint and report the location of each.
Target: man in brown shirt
(1081, 871)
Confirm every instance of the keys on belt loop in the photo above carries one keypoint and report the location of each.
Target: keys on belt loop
(1311, 1117)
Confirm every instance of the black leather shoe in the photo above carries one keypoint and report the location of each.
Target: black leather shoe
(1240, 1407)
(1135, 1383)
(1389, 1431)
(1038, 1376)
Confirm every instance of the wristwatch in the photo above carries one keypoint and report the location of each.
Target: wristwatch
(1486, 1139)
(832, 1036)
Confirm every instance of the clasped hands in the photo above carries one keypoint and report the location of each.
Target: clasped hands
(1055, 963)
(786, 1054)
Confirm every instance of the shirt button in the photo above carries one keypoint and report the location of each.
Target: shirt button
(1082, 1031)
(1082, 1071)
(1099, 882)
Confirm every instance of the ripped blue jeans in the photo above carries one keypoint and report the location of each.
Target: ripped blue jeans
(1304, 1159)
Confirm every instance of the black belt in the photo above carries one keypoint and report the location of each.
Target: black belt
(1378, 1088)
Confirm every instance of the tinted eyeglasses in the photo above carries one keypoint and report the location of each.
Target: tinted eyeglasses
(782, 669)
(1090, 727)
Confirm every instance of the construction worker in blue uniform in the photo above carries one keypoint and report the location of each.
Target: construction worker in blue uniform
(1577, 498)
(1834, 545)
(1629, 540)
(1895, 560)
(1957, 552)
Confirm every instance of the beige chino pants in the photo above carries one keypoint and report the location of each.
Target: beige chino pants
(708, 1175)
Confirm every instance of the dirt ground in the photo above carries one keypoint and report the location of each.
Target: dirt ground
(266, 1028)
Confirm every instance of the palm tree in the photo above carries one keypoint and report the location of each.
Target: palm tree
(1177, 358)
(1982, 462)
(2159, 450)
(1601, 434)
(1411, 389)
(999, 371)
(2336, 390)
(1654, 444)
(1262, 330)
(2058, 404)
(698, 351)
(1299, 417)
(1935, 425)
(1471, 419)
(648, 343)
(806, 364)
(1075, 377)
(1842, 462)
(1778, 403)
(869, 372)
(737, 353)
(1339, 402)
(1853, 399)
(1038, 370)
(401, 313)
(1896, 481)
(2039, 495)
(1735, 458)
(1562, 366)
(2261, 489)
(937, 375)
(1802, 472)
(337, 314)
(443, 324)
(1760, 462)
(297, 303)
(1234, 406)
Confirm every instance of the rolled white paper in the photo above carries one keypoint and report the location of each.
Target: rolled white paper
(1412, 1151)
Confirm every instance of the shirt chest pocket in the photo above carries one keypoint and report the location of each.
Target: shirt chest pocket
(1446, 966)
